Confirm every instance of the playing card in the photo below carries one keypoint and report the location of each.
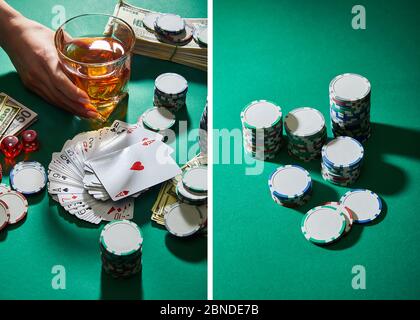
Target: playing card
(111, 210)
(64, 160)
(58, 177)
(72, 156)
(125, 135)
(135, 168)
(90, 179)
(68, 198)
(58, 187)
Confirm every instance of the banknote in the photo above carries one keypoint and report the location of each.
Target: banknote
(8, 112)
(22, 120)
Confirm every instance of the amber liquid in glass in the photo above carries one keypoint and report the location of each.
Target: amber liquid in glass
(90, 68)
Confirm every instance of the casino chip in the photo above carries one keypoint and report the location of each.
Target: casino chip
(4, 188)
(342, 160)
(28, 177)
(350, 96)
(149, 21)
(290, 186)
(323, 224)
(262, 129)
(365, 205)
(121, 248)
(158, 118)
(17, 204)
(307, 133)
(183, 220)
(195, 179)
(169, 24)
(4, 215)
(170, 91)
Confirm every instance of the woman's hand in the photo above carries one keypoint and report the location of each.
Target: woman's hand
(31, 48)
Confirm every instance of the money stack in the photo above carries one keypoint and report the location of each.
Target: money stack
(14, 116)
(188, 47)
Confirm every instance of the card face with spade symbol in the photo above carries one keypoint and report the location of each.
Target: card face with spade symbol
(135, 168)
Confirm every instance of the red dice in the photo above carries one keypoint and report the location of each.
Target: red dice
(11, 147)
(30, 140)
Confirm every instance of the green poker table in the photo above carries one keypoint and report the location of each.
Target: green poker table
(288, 52)
(173, 268)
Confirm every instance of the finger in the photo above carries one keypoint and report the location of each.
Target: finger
(86, 111)
(52, 96)
(68, 88)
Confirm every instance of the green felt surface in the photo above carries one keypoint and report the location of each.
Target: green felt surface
(172, 268)
(288, 52)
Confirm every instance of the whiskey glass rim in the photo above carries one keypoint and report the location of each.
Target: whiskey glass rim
(124, 56)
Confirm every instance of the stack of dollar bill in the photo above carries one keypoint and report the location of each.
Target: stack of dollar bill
(167, 193)
(14, 116)
(191, 54)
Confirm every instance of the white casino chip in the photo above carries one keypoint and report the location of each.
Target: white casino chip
(323, 225)
(365, 205)
(289, 181)
(121, 237)
(28, 177)
(4, 215)
(350, 87)
(171, 83)
(304, 122)
(150, 19)
(343, 152)
(18, 205)
(261, 114)
(170, 23)
(190, 195)
(183, 220)
(4, 188)
(158, 118)
(195, 179)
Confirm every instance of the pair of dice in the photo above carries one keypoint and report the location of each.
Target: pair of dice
(11, 146)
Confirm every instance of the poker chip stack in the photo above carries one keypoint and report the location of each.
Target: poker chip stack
(350, 106)
(262, 129)
(342, 160)
(172, 29)
(170, 91)
(290, 186)
(307, 133)
(202, 135)
(121, 248)
(192, 188)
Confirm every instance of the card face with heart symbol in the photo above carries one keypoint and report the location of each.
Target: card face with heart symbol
(135, 168)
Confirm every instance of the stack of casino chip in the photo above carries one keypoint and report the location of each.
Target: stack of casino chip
(202, 135)
(342, 160)
(170, 91)
(192, 188)
(350, 106)
(172, 29)
(290, 186)
(307, 133)
(262, 129)
(121, 248)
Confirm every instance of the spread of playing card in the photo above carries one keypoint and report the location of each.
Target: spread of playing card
(97, 174)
